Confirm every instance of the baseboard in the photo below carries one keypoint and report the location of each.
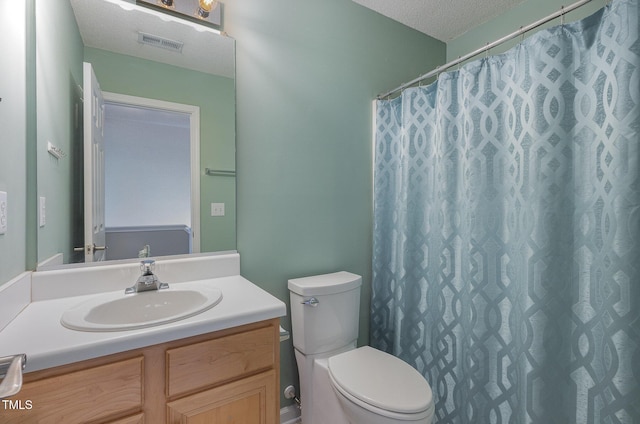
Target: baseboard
(55, 260)
(290, 415)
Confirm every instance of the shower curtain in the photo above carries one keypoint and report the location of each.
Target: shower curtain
(506, 263)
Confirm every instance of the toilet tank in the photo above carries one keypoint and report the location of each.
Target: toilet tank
(330, 324)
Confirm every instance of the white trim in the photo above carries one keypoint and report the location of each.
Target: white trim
(55, 260)
(290, 415)
(15, 295)
(194, 127)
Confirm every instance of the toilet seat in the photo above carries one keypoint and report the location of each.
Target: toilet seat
(381, 383)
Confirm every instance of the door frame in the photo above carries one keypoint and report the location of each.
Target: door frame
(194, 137)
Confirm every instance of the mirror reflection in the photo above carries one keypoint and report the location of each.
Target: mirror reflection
(165, 81)
(161, 138)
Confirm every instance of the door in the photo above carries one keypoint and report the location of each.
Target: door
(251, 400)
(94, 228)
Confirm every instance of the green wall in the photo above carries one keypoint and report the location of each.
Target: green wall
(307, 73)
(521, 15)
(13, 135)
(59, 51)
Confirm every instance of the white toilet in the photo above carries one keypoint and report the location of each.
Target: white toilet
(340, 384)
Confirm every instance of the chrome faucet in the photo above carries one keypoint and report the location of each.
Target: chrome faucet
(11, 369)
(148, 280)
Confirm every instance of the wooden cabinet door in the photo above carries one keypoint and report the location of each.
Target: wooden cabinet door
(247, 401)
(135, 419)
(197, 366)
(94, 394)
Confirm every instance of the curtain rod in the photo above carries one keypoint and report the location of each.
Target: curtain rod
(488, 46)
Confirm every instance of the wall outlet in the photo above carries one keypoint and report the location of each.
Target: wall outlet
(3, 212)
(217, 209)
(43, 211)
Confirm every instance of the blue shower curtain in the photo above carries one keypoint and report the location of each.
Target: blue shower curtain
(506, 263)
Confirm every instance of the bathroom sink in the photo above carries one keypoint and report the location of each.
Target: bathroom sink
(116, 311)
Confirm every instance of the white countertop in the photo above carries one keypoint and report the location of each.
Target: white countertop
(37, 331)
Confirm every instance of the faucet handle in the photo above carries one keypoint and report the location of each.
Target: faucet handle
(147, 266)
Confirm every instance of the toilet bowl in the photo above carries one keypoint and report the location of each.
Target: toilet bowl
(339, 383)
(374, 387)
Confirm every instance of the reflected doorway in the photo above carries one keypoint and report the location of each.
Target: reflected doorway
(147, 181)
(151, 178)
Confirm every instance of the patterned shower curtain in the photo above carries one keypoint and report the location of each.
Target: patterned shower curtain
(507, 229)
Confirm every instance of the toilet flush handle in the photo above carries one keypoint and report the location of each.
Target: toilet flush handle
(311, 302)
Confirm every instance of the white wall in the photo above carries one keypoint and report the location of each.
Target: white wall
(147, 168)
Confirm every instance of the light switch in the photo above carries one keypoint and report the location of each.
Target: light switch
(217, 209)
(43, 211)
(3, 212)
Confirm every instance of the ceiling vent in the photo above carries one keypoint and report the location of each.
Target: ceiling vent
(157, 41)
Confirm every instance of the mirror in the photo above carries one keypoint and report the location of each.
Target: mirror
(141, 54)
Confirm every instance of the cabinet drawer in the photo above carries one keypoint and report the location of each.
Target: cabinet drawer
(214, 361)
(251, 400)
(89, 395)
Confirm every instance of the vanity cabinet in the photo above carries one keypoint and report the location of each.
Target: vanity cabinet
(94, 394)
(248, 401)
(229, 376)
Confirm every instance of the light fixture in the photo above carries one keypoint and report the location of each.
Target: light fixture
(205, 7)
(203, 14)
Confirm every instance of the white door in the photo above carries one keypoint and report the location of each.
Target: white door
(94, 229)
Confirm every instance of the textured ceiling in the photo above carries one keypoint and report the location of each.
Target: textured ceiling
(440, 19)
(114, 25)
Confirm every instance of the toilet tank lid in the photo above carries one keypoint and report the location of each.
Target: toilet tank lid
(318, 285)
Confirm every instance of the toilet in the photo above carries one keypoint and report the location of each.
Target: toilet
(339, 383)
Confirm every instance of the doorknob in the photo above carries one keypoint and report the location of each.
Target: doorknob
(90, 248)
